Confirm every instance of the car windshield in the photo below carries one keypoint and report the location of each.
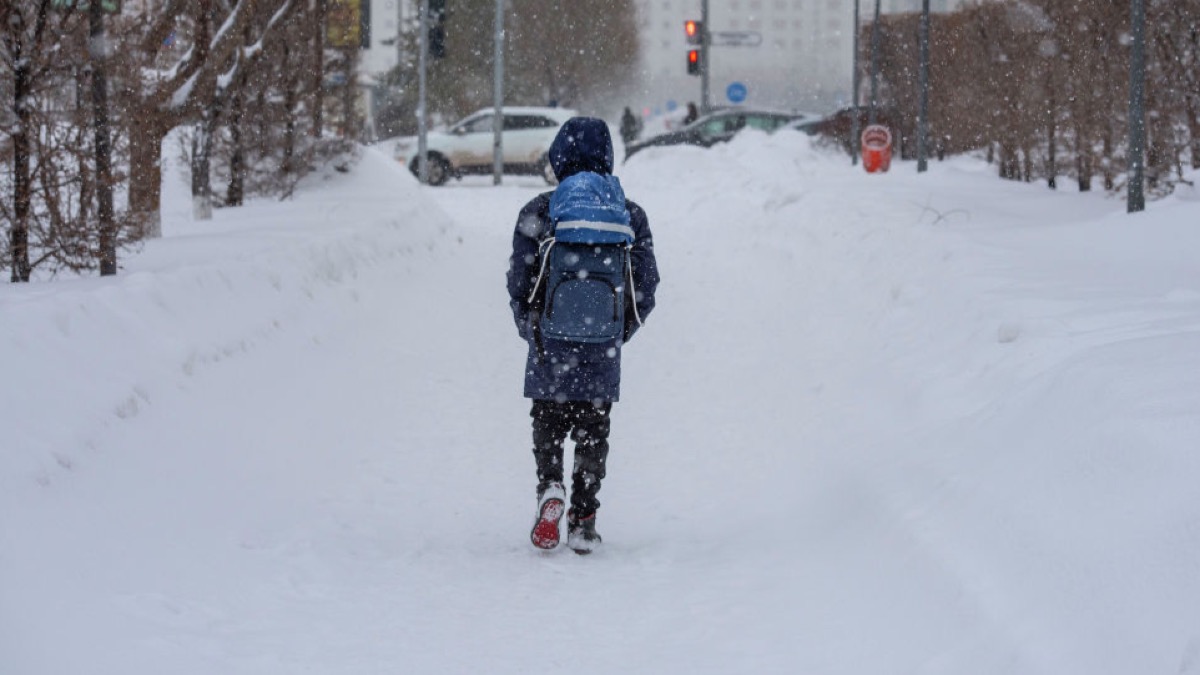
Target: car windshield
(764, 122)
(475, 125)
(719, 126)
(519, 122)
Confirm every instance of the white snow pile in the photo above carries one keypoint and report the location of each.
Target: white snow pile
(902, 423)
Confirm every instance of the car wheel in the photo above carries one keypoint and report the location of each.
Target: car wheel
(547, 171)
(439, 169)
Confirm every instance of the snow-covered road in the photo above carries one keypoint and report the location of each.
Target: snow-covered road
(892, 424)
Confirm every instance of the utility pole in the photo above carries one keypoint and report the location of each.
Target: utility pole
(705, 43)
(854, 130)
(1136, 200)
(422, 58)
(923, 76)
(498, 98)
(98, 49)
(874, 66)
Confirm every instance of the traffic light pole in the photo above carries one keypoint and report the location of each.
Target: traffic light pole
(705, 43)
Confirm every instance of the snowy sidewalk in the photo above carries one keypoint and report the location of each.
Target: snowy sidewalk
(877, 424)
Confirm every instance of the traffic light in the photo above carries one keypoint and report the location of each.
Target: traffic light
(693, 59)
(694, 30)
(437, 28)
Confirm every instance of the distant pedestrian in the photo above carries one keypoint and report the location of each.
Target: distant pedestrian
(630, 126)
(692, 114)
(581, 281)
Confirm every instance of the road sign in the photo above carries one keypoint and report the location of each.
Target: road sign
(736, 92)
(735, 38)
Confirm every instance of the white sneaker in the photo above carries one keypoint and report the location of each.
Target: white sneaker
(552, 502)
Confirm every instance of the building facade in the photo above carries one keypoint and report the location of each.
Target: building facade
(802, 60)
(380, 53)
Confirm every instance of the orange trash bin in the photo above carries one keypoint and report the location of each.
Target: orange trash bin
(877, 148)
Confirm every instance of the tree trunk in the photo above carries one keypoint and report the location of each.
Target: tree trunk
(1052, 140)
(1052, 159)
(318, 72)
(22, 185)
(1193, 120)
(236, 193)
(1110, 178)
(145, 174)
(200, 165)
(1083, 165)
(104, 197)
(288, 167)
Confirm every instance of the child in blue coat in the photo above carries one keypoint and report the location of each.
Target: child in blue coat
(573, 386)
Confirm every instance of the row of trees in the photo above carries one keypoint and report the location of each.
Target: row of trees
(1043, 86)
(581, 54)
(88, 99)
(258, 92)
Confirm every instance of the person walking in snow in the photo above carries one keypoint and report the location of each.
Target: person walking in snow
(630, 126)
(581, 282)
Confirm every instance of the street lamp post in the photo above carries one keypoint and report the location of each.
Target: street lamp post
(854, 94)
(923, 77)
(874, 65)
(498, 98)
(422, 58)
(1136, 199)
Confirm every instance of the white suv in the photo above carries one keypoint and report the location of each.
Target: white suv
(467, 148)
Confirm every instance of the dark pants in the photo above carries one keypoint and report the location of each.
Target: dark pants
(587, 423)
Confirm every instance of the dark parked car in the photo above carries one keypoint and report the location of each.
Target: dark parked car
(715, 127)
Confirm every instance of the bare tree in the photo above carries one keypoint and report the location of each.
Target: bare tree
(23, 40)
(174, 85)
(1042, 84)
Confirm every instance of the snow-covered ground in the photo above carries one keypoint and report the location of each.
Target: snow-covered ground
(877, 424)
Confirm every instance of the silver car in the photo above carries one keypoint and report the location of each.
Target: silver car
(466, 148)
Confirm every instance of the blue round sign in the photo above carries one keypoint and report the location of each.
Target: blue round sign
(736, 92)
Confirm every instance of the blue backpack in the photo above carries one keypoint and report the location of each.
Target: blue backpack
(585, 263)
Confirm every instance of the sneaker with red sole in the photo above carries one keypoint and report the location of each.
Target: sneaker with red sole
(551, 504)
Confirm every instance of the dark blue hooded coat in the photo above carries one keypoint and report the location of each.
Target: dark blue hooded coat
(575, 372)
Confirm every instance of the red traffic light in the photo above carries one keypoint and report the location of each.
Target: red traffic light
(694, 30)
(693, 62)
